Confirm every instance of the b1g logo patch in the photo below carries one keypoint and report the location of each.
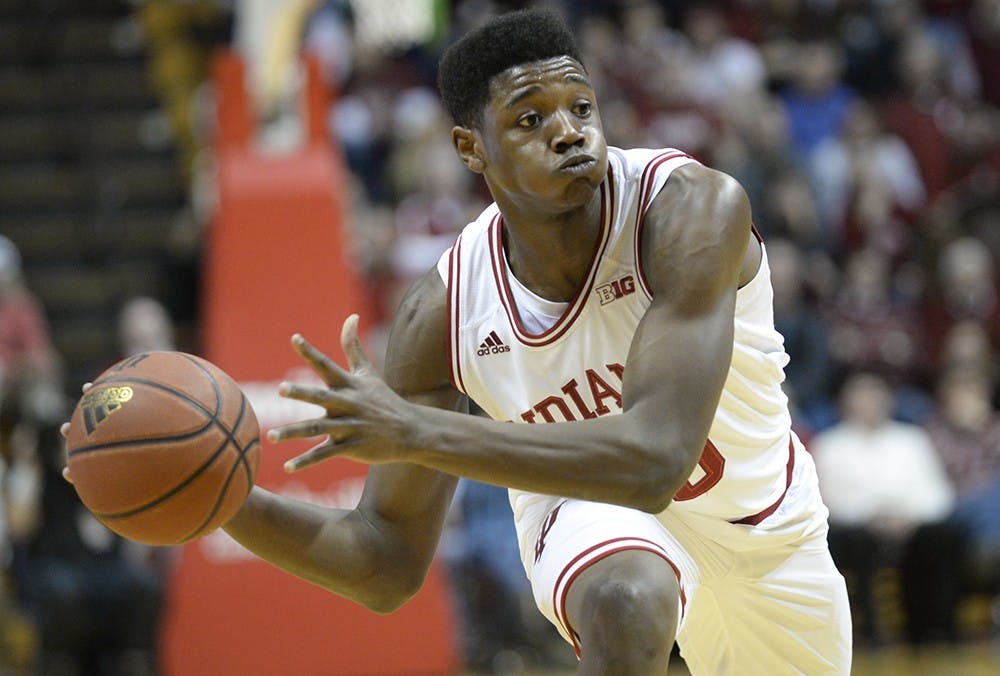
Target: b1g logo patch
(616, 289)
(99, 403)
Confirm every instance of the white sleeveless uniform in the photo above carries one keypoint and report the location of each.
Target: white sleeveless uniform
(528, 360)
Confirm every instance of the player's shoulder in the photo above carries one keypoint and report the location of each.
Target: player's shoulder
(698, 225)
(687, 175)
(416, 355)
(640, 164)
(699, 199)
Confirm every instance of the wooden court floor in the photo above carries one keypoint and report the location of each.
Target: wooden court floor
(981, 658)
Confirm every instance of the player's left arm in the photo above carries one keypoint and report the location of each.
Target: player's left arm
(695, 256)
(694, 249)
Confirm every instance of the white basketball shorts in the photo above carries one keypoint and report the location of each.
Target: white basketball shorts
(763, 599)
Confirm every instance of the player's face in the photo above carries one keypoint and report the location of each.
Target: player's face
(543, 146)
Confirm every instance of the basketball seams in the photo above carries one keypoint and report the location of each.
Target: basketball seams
(184, 483)
(229, 437)
(242, 452)
(183, 396)
(212, 417)
(223, 492)
(191, 479)
(148, 441)
(244, 406)
(166, 388)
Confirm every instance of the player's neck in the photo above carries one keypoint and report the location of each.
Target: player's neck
(552, 255)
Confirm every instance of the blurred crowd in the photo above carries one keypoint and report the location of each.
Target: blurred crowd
(867, 136)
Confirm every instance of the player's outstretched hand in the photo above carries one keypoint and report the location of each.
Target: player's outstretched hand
(365, 420)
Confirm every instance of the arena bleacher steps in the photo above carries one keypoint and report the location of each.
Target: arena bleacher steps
(84, 194)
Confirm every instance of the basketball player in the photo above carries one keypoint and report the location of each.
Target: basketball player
(615, 306)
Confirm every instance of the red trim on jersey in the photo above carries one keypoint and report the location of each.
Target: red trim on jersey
(454, 353)
(494, 234)
(645, 198)
(559, 599)
(755, 519)
(579, 300)
(756, 232)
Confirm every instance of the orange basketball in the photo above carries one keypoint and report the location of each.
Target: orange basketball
(163, 448)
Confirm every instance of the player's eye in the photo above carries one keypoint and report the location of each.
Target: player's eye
(528, 120)
(583, 108)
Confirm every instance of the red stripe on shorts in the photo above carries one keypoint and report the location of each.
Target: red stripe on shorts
(559, 599)
(754, 519)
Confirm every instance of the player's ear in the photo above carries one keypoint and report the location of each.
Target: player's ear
(464, 140)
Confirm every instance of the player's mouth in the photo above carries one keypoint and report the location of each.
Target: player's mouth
(581, 163)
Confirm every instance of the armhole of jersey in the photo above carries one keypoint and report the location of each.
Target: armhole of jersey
(453, 282)
(760, 263)
(647, 191)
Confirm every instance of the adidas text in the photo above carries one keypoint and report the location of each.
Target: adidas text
(492, 345)
(496, 349)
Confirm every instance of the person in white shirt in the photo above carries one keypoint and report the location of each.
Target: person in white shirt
(889, 497)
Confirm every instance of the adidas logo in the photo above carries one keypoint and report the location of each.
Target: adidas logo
(492, 345)
(99, 403)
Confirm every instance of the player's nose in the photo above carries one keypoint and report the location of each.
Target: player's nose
(566, 132)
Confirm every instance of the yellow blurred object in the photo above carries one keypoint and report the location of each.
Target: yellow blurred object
(178, 63)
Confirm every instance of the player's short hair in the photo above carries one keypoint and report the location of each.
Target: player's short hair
(503, 42)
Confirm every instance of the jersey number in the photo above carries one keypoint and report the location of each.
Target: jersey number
(712, 464)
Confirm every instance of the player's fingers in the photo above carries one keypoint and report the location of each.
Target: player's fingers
(357, 360)
(66, 476)
(327, 369)
(86, 386)
(64, 429)
(321, 396)
(335, 428)
(315, 455)
(299, 430)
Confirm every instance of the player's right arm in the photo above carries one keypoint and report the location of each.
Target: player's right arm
(378, 553)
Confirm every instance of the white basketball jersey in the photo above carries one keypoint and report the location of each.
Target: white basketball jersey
(527, 360)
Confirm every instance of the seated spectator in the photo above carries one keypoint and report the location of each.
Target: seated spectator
(29, 364)
(984, 42)
(144, 325)
(889, 500)
(789, 209)
(965, 429)
(919, 112)
(875, 328)
(30, 389)
(722, 69)
(967, 346)
(817, 101)
(965, 289)
(870, 185)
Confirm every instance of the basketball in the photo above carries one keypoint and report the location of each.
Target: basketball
(163, 448)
